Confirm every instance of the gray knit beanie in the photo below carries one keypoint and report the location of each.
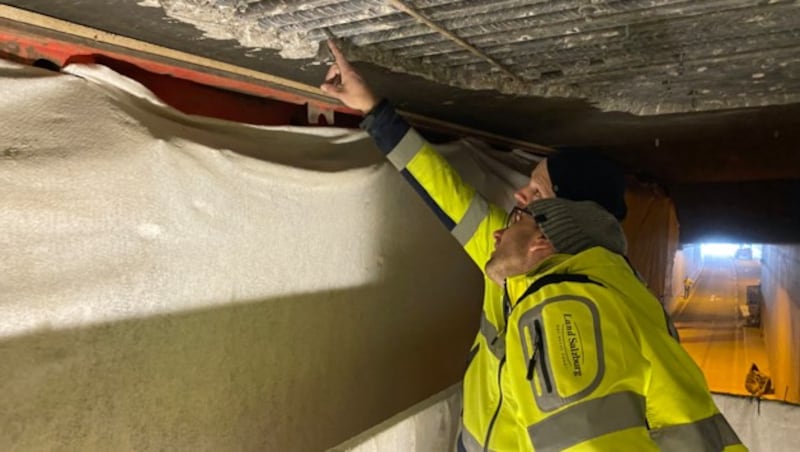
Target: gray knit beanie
(575, 226)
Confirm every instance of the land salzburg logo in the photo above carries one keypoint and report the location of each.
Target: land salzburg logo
(572, 345)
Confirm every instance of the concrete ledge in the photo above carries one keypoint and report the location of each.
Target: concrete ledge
(431, 425)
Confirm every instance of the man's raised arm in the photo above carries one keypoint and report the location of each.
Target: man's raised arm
(463, 211)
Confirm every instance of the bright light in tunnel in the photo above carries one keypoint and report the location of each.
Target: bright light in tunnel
(718, 249)
(738, 250)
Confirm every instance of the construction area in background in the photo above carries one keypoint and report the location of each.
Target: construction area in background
(714, 329)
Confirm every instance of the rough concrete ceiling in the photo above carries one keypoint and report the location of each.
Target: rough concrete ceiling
(639, 56)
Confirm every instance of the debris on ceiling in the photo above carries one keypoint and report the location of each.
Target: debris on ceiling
(638, 56)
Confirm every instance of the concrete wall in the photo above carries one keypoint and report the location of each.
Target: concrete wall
(780, 284)
(768, 426)
(688, 262)
(652, 231)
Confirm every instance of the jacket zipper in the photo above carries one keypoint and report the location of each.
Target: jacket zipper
(506, 312)
(539, 349)
(499, 404)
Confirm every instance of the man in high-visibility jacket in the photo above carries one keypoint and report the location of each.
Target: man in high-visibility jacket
(573, 174)
(573, 352)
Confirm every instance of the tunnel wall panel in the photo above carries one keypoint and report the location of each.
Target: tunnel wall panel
(780, 285)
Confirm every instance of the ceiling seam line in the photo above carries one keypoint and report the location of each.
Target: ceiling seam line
(411, 11)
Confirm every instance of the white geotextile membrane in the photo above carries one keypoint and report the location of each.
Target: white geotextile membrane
(184, 283)
(111, 202)
(109, 196)
(770, 427)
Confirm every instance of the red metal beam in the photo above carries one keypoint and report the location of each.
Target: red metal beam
(30, 45)
(197, 91)
(194, 84)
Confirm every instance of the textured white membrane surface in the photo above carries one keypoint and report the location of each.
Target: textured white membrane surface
(171, 282)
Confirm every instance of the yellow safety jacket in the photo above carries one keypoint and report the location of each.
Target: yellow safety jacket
(575, 355)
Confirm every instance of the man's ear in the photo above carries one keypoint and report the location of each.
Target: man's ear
(540, 243)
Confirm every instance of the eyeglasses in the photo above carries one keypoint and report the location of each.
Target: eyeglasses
(516, 214)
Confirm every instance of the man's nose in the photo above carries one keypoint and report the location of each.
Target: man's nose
(498, 234)
(524, 196)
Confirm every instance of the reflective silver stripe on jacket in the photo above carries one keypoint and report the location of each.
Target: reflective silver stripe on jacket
(406, 149)
(587, 420)
(497, 345)
(476, 212)
(469, 443)
(710, 434)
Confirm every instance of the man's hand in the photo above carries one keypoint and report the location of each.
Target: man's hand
(345, 84)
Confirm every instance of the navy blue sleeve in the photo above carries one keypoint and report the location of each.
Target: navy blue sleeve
(385, 126)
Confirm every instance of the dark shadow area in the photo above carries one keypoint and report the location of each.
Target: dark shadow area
(296, 373)
(47, 64)
(764, 211)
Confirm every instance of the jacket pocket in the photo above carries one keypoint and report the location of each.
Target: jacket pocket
(537, 361)
(563, 350)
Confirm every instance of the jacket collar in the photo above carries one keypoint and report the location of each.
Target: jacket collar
(587, 262)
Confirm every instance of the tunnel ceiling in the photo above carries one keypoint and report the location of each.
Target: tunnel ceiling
(700, 96)
(639, 56)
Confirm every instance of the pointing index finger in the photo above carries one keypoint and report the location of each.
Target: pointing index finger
(341, 61)
(333, 71)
